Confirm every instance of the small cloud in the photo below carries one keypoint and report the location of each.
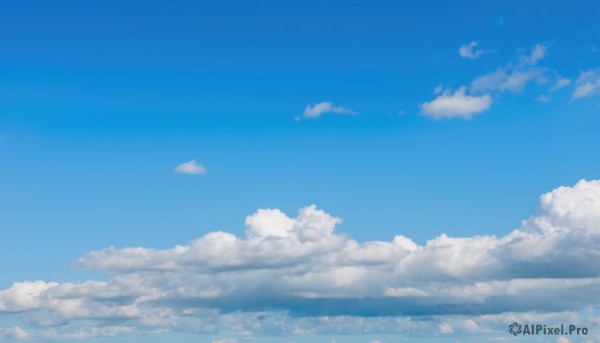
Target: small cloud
(191, 167)
(456, 105)
(225, 340)
(446, 328)
(501, 21)
(396, 114)
(318, 109)
(561, 82)
(15, 333)
(587, 84)
(469, 50)
(544, 98)
(563, 340)
(537, 53)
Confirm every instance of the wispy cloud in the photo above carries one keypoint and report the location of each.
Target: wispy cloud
(475, 98)
(537, 53)
(300, 271)
(470, 50)
(456, 105)
(587, 84)
(191, 167)
(318, 109)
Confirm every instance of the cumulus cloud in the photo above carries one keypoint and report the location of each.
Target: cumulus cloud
(191, 167)
(587, 84)
(299, 275)
(456, 105)
(470, 50)
(318, 109)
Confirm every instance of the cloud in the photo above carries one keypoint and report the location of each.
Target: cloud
(515, 77)
(456, 105)
(225, 340)
(470, 100)
(14, 333)
(538, 52)
(299, 275)
(318, 109)
(560, 83)
(191, 167)
(469, 51)
(587, 84)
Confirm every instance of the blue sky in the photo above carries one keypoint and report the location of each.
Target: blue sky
(411, 119)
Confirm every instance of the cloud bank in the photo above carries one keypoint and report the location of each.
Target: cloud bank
(298, 275)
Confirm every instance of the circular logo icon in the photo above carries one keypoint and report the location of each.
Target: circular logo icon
(515, 328)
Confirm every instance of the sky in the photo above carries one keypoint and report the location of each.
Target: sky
(298, 171)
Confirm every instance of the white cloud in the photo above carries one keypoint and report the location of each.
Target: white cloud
(191, 167)
(299, 276)
(469, 50)
(318, 109)
(456, 105)
(587, 84)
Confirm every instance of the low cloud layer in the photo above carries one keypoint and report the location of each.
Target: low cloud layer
(298, 275)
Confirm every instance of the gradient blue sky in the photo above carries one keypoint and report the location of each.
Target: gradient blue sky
(101, 100)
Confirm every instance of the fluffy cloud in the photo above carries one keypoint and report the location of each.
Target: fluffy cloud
(191, 167)
(318, 109)
(470, 50)
(298, 276)
(587, 84)
(456, 105)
